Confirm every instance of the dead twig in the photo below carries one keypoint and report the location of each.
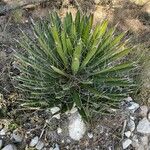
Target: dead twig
(8, 9)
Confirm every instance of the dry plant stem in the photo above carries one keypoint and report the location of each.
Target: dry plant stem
(78, 5)
(10, 9)
(124, 127)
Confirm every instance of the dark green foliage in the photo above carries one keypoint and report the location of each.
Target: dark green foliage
(69, 62)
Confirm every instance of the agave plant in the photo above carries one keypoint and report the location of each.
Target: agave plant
(69, 63)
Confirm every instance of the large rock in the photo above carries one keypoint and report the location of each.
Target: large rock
(77, 127)
(10, 147)
(144, 126)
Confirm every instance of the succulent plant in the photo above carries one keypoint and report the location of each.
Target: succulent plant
(69, 63)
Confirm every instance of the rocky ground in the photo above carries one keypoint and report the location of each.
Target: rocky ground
(24, 129)
(47, 132)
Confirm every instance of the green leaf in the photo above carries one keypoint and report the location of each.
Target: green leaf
(89, 55)
(58, 45)
(120, 67)
(83, 114)
(76, 57)
(57, 70)
(77, 100)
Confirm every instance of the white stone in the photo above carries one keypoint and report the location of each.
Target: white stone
(132, 118)
(59, 130)
(148, 116)
(3, 132)
(73, 110)
(143, 111)
(128, 99)
(131, 125)
(133, 106)
(77, 127)
(128, 134)
(39, 145)
(56, 147)
(144, 140)
(135, 141)
(34, 141)
(10, 147)
(90, 135)
(55, 110)
(57, 116)
(17, 137)
(68, 141)
(144, 126)
(126, 143)
(96, 1)
(1, 144)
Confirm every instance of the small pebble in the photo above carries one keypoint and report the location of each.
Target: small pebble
(10, 147)
(56, 147)
(133, 107)
(90, 135)
(57, 116)
(128, 134)
(39, 145)
(143, 111)
(34, 141)
(144, 140)
(96, 1)
(126, 143)
(148, 116)
(131, 125)
(135, 141)
(67, 147)
(1, 144)
(132, 118)
(68, 140)
(3, 132)
(17, 137)
(128, 99)
(54, 110)
(59, 130)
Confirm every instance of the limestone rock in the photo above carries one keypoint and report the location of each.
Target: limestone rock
(10, 147)
(34, 141)
(126, 143)
(77, 127)
(143, 111)
(56, 147)
(39, 145)
(131, 125)
(1, 144)
(128, 134)
(133, 106)
(17, 136)
(144, 126)
(3, 132)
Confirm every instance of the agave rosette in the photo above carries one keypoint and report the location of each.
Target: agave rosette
(69, 62)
